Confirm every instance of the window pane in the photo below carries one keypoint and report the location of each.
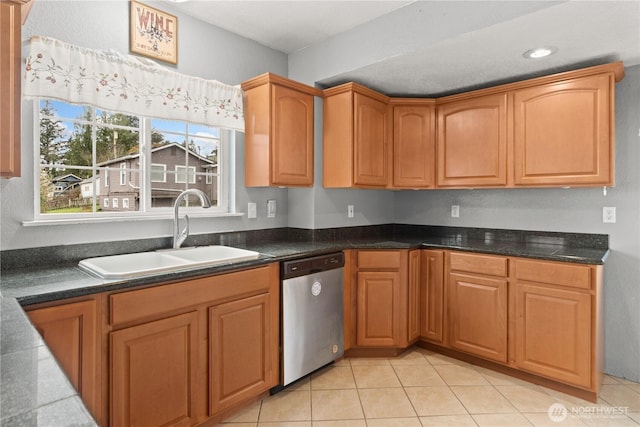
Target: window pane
(66, 191)
(124, 183)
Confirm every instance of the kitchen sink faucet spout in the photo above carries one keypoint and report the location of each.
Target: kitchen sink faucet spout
(179, 236)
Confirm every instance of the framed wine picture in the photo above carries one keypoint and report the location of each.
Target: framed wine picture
(153, 33)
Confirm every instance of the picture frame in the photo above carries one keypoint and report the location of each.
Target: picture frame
(153, 33)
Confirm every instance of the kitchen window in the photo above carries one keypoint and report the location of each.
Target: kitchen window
(110, 156)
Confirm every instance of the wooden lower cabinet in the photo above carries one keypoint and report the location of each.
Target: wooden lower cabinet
(241, 361)
(378, 320)
(191, 352)
(478, 315)
(432, 296)
(536, 318)
(385, 298)
(72, 334)
(154, 373)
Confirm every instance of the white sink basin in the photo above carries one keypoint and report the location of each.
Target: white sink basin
(146, 263)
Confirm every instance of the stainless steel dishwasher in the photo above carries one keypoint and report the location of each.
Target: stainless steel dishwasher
(312, 314)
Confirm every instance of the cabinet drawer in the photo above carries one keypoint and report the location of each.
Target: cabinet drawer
(480, 264)
(379, 259)
(555, 273)
(157, 301)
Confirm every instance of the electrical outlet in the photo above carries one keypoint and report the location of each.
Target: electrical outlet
(252, 210)
(350, 211)
(271, 208)
(609, 214)
(455, 211)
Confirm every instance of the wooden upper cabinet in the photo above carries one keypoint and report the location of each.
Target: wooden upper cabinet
(10, 87)
(278, 132)
(472, 142)
(356, 131)
(564, 133)
(413, 143)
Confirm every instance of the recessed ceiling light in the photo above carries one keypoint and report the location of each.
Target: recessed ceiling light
(540, 52)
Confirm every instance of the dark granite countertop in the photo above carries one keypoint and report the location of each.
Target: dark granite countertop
(32, 386)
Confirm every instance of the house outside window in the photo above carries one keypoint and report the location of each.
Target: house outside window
(132, 155)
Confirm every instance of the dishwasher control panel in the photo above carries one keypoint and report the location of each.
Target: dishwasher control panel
(315, 264)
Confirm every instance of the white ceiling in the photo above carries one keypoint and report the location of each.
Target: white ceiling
(467, 45)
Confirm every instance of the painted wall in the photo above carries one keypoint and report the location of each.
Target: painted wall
(569, 210)
(204, 51)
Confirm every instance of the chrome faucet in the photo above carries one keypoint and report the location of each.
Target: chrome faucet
(179, 236)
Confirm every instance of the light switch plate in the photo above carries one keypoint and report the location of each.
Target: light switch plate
(455, 211)
(251, 210)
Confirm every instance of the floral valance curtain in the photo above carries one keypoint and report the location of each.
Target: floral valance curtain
(127, 84)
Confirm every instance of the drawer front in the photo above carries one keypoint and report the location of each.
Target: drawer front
(555, 273)
(157, 301)
(479, 264)
(379, 259)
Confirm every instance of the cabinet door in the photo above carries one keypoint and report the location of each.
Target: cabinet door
(478, 315)
(155, 373)
(10, 67)
(292, 133)
(71, 333)
(553, 333)
(563, 133)
(378, 306)
(240, 357)
(414, 146)
(472, 142)
(413, 326)
(370, 141)
(432, 295)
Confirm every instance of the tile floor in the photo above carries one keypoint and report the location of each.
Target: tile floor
(422, 388)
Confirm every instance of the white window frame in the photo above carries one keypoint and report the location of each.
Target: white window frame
(123, 173)
(114, 203)
(125, 203)
(164, 172)
(225, 185)
(186, 172)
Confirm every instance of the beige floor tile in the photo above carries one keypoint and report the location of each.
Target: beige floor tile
(434, 401)
(633, 386)
(440, 359)
(611, 421)
(370, 361)
(540, 419)
(527, 398)
(287, 406)
(224, 424)
(247, 415)
(482, 400)
(342, 362)
(339, 423)
(375, 376)
(335, 405)
(386, 403)
(498, 378)
(635, 416)
(460, 375)
(620, 395)
(571, 401)
(626, 381)
(610, 379)
(448, 421)
(333, 377)
(283, 424)
(409, 357)
(501, 420)
(394, 422)
(301, 384)
(418, 375)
